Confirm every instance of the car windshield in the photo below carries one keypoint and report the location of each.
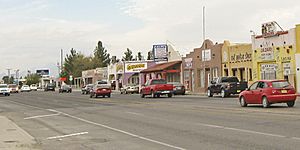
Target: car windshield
(102, 82)
(25, 86)
(230, 79)
(280, 84)
(158, 82)
(12, 86)
(3, 86)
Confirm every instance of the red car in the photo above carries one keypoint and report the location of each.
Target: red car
(267, 92)
(156, 88)
(102, 88)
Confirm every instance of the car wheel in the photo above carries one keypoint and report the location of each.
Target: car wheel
(223, 93)
(265, 102)
(183, 93)
(153, 94)
(142, 95)
(209, 94)
(103, 96)
(243, 102)
(290, 104)
(109, 95)
(91, 95)
(170, 95)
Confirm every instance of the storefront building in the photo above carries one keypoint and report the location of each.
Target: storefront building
(115, 74)
(132, 71)
(201, 66)
(93, 75)
(237, 61)
(297, 58)
(167, 66)
(274, 54)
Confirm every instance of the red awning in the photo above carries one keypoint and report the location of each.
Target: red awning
(161, 67)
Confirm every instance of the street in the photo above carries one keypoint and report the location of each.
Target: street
(74, 121)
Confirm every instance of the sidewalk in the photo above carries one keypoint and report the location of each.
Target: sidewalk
(13, 137)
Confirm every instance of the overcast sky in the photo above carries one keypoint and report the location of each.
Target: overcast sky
(32, 32)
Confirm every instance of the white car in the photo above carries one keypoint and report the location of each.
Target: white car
(33, 87)
(25, 88)
(4, 89)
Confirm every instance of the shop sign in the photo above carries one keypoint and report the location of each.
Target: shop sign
(206, 55)
(160, 52)
(286, 58)
(119, 68)
(286, 68)
(267, 53)
(241, 57)
(135, 67)
(269, 67)
(269, 29)
(188, 63)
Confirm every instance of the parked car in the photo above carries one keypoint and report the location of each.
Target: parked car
(267, 92)
(25, 88)
(130, 89)
(13, 88)
(33, 87)
(49, 87)
(4, 90)
(156, 88)
(101, 88)
(87, 89)
(226, 86)
(65, 88)
(178, 88)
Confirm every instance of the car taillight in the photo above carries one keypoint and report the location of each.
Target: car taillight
(275, 92)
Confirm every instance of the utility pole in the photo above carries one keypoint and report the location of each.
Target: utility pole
(8, 74)
(61, 60)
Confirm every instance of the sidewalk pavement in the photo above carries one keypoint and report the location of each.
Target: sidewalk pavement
(13, 137)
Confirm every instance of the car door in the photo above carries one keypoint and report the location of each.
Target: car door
(146, 89)
(259, 92)
(249, 95)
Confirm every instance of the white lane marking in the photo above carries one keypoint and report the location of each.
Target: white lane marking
(68, 135)
(138, 114)
(243, 130)
(118, 130)
(41, 116)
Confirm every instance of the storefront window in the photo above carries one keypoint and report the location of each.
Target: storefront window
(268, 71)
(202, 78)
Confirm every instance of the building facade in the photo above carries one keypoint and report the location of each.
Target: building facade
(201, 66)
(237, 61)
(274, 55)
(93, 75)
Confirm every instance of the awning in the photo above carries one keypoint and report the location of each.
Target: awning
(161, 67)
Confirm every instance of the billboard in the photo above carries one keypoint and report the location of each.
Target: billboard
(269, 29)
(160, 52)
(43, 72)
(135, 67)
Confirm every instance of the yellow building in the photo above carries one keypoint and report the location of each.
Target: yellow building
(274, 54)
(237, 60)
(297, 58)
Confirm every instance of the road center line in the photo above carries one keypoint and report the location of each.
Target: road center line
(42, 116)
(118, 130)
(68, 135)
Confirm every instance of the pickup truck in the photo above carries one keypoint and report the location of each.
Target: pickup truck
(226, 86)
(156, 88)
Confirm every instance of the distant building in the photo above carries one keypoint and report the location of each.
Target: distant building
(93, 75)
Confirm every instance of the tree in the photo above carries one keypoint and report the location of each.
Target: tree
(8, 80)
(128, 55)
(150, 55)
(75, 63)
(139, 56)
(101, 57)
(33, 79)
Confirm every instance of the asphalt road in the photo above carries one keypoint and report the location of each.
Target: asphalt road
(74, 121)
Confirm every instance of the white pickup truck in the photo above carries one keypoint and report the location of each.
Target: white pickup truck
(4, 89)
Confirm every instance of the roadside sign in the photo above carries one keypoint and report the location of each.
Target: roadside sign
(71, 78)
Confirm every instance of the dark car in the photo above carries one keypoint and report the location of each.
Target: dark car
(267, 92)
(49, 87)
(226, 86)
(87, 89)
(178, 88)
(65, 88)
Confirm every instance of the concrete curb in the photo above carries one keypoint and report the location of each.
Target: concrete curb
(12, 137)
